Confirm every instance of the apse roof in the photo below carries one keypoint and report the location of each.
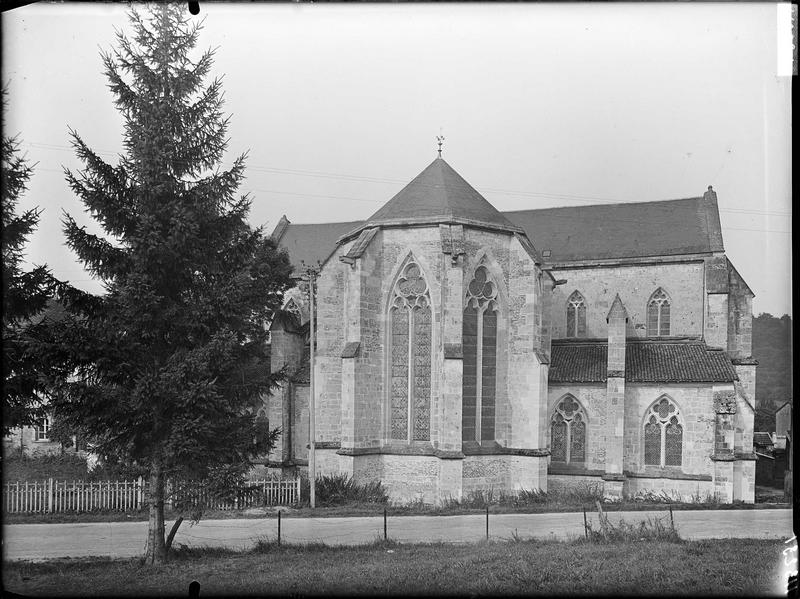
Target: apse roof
(439, 195)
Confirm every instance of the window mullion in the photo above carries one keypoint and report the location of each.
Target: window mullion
(569, 439)
(663, 445)
(410, 393)
(479, 375)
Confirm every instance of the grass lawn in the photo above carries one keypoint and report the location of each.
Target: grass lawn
(741, 567)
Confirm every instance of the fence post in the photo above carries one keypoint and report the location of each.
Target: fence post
(279, 528)
(50, 495)
(487, 522)
(139, 492)
(585, 525)
(384, 525)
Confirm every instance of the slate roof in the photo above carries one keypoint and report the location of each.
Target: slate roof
(439, 195)
(309, 243)
(573, 233)
(630, 230)
(646, 361)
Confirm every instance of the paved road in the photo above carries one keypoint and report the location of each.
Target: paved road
(126, 539)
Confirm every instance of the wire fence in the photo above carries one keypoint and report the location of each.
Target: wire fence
(55, 496)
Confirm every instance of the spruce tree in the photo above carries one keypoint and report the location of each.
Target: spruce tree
(25, 293)
(168, 366)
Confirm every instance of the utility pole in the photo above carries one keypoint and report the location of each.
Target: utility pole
(311, 273)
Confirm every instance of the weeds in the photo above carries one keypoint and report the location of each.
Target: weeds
(341, 489)
(651, 529)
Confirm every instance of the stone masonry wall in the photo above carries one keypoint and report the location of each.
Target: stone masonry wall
(593, 400)
(25, 438)
(696, 406)
(740, 317)
(300, 423)
(683, 282)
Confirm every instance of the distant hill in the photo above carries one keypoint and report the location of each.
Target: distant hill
(772, 347)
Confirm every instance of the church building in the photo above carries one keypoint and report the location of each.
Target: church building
(460, 349)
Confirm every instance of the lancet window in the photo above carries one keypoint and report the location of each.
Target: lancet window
(663, 435)
(576, 315)
(658, 314)
(568, 432)
(410, 354)
(292, 307)
(479, 342)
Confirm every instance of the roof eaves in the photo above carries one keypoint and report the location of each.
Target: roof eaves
(428, 221)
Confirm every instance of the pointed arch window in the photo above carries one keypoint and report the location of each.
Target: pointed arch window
(479, 342)
(292, 307)
(658, 314)
(663, 435)
(576, 315)
(410, 355)
(568, 432)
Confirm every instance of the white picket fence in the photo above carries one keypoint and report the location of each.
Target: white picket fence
(24, 497)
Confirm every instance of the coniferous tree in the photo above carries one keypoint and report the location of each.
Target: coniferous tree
(167, 367)
(25, 293)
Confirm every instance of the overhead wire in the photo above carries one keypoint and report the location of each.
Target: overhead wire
(346, 177)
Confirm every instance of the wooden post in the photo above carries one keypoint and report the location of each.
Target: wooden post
(384, 525)
(312, 432)
(50, 495)
(279, 528)
(487, 522)
(139, 493)
(671, 520)
(585, 525)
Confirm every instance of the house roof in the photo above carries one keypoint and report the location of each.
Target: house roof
(646, 361)
(762, 439)
(571, 233)
(310, 243)
(439, 195)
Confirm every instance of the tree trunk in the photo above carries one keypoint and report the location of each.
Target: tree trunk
(172, 532)
(156, 552)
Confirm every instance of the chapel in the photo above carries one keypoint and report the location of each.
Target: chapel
(461, 349)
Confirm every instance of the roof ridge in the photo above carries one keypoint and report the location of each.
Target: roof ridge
(604, 204)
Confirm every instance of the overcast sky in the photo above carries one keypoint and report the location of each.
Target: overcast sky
(540, 105)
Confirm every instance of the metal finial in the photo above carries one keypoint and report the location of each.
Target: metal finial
(440, 139)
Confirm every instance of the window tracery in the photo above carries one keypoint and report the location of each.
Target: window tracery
(658, 314)
(663, 435)
(568, 432)
(410, 356)
(479, 342)
(576, 315)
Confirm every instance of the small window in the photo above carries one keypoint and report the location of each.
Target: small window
(568, 432)
(658, 314)
(42, 430)
(576, 315)
(663, 435)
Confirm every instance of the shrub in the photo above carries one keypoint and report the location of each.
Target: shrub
(340, 489)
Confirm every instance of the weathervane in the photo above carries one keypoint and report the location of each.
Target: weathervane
(440, 139)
